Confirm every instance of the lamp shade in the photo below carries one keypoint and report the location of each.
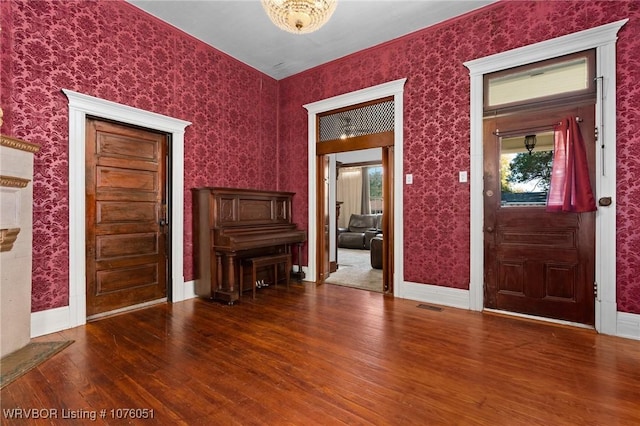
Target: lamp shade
(299, 16)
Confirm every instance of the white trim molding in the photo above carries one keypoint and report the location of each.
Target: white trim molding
(603, 39)
(392, 88)
(80, 106)
(629, 325)
(439, 295)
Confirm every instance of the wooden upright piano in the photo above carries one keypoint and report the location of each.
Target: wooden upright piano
(232, 224)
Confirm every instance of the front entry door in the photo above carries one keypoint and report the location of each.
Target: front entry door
(126, 218)
(536, 262)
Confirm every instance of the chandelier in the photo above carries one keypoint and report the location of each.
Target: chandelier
(299, 16)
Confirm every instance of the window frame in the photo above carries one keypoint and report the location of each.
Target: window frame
(544, 101)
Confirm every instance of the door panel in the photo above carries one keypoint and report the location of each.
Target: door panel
(536, 262)
(387, 219)
(323, 260)
(126, 255)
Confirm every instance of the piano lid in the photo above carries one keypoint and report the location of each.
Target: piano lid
(227, 240)
(233, 207)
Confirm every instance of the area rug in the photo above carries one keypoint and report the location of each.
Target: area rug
(23, 360)
(354, 270)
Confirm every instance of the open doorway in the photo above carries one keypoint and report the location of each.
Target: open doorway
(365, 126)
(356, 244)
(392, 160)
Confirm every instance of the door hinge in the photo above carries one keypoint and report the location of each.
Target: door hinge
(595, 133)
(595, 289)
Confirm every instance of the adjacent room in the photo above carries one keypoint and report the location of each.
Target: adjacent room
(359, 213)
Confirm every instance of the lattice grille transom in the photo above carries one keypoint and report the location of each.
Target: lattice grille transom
(367, 120)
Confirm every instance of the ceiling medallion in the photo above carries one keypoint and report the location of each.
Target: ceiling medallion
(299, 16)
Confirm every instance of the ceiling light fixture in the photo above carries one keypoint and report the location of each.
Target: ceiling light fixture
(299, 16)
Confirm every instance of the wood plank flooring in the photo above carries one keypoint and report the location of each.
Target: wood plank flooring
(331, 355)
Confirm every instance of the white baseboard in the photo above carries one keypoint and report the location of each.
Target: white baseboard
(628, 325)
(58, 319)
(189, 290)
(50, 321)
(438, 295)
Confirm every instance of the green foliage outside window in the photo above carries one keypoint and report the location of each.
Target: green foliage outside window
(534, 168)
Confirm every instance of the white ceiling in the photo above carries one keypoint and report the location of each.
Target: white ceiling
(242, 29)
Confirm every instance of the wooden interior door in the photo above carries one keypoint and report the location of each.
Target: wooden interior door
(323, 221)
(126, 218)
(537, 263)
(387, 219)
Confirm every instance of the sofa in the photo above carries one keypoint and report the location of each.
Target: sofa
(376, 252)
(361, 229)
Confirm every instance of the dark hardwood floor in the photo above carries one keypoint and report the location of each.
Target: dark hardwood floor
(333, 355)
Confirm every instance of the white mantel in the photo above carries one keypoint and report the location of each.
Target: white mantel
(16, 231)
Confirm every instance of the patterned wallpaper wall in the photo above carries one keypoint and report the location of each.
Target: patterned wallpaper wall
(436, 130)
(114, 51)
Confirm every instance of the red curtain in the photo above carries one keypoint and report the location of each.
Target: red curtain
(570, 189)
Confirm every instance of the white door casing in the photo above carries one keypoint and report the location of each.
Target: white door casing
(81, 105)
(603, 39)
(392, 88)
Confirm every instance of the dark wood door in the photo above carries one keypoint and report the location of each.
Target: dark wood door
(126, 230)
(323, 256)
(537, 263)
(387, 219)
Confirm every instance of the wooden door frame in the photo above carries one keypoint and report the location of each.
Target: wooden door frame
(80, 106)
(323, 247)
(322, 218)
(395, 89)
(603, 39)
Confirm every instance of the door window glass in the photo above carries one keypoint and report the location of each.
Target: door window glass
(525, 169)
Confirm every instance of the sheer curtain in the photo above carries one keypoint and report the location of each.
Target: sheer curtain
(349, 191)
(570, 189)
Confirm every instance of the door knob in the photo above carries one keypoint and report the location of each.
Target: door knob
(605, 201)
(489, 229)
(162, 222)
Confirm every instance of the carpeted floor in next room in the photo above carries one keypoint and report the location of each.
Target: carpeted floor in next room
(354, 270)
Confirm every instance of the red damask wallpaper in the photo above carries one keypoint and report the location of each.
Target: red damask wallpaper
(436, 130)
(114, 51)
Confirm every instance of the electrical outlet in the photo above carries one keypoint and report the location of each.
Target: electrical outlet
(409, 178)
(462, 176)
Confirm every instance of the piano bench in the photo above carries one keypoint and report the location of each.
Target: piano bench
(258, 262)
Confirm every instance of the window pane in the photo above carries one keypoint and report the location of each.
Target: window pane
(540, 82)
(524, 176)
(375, 189)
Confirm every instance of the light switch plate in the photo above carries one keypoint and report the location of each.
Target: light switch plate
(462, 176)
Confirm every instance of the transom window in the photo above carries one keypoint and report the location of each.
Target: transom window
(568, 77)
